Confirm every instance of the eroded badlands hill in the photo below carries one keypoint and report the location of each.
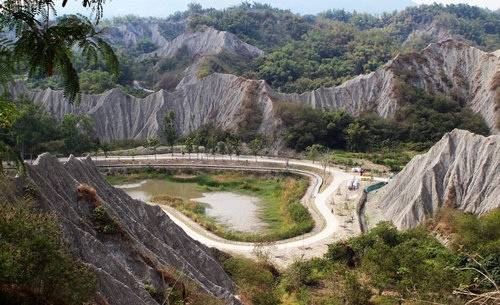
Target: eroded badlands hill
(147, 242)
(219, 100)
(460, 171)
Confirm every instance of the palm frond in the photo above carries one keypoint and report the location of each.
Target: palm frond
(8, 64)
(7, 154)
(70, 79)
(82, 31)
(48, 49)
(109, 56)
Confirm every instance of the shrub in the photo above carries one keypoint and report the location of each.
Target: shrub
(87, 193)
(35, 264)
(104, 223)
(199, 208)
(31, 191)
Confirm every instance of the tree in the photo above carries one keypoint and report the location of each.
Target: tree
(357, 137)
(229, 147)
(145, 45)
(237, 147)
(189, 146)
(7, 151)
(152, 144)
(31, 127)
(336, 123)
(212, 144)
(314, 151)
(96, 82)
(42, 47)
(169, 130)
(45, 47)
(78, 132)
(36, 266)
(197, 143)
(221, 147)
(257, 144)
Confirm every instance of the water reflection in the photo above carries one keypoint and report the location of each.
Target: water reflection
(146, 189)
(237, 212)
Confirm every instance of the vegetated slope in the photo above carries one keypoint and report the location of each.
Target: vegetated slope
(460, 171)
(220, 99)
(448, 67)
(133, 246)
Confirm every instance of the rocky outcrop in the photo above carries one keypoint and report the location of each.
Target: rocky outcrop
(206, 41)
(373, 91)
(127, 33)
(215, 100)
(448, 67)
(146, 242)
(458, 70)
(452, 68)
(460, 171)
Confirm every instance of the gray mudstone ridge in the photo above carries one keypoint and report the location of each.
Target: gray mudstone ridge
(126, 261)
(448, 67)
(462, 171)
(206, 41)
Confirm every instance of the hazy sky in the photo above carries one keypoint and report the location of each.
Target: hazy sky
(164, 8)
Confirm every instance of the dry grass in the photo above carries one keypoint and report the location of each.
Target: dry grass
(87, 193)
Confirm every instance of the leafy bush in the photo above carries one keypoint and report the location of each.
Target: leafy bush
(199, 208)
(255, 281)
(104, 223)
(36, 266)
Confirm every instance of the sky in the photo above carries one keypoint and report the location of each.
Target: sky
(164, 8)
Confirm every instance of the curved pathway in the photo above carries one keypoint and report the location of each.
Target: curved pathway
(284, 252)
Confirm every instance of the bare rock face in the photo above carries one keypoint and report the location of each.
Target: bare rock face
(452, 68)
(456, 69)
(449, 67)
(127, 259)
(460, 171)
(365, 92)
(206, 41)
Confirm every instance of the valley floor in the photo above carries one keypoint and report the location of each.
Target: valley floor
(334, 209)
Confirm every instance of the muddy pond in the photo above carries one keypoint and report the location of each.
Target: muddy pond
(235, 211)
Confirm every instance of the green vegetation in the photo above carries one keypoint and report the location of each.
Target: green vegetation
(422, 119)
(387, 266)
(307, 52)
(31, 130)
(280, 193)
(41, 47)
(179, 289)
(304, 53)
(170, 133)
(36, 266)
(104, 223)
(256, 281)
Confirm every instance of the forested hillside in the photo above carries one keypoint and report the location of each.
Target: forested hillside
(302, 52)
(298, 54)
